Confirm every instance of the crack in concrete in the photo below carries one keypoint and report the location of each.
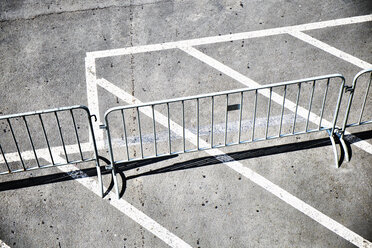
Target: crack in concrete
(139, 186)
(31, 18)
(131, 44)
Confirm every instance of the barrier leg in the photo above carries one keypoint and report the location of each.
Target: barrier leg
(332, 137)
(344, 147)
(99, 174)
(116, 185)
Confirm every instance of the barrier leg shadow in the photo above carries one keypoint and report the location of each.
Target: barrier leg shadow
(118, 175)
(76, 174)
(194, 163)
(336, 141)
(346, 146)
(266, 151)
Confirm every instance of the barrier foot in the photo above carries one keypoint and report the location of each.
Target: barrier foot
(114, 177)
(100, 183)
(334, 150)
(345, 148)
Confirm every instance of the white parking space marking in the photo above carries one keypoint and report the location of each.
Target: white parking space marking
(3, 245)
(295, 202)
(330, 49)
(204, 131)
(92, 95)
(122, 205)
(29, 155)
(219, 128)
(364, 145)
(229, 37)
(188, 44)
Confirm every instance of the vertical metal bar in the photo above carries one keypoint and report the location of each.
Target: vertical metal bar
(337, 109)
(212, 120)
(98, 167)
(140, 132)
(76, 134)
(183, 126)
(268, 113)
(154, 128)
(111, 151)
(297, 101)
(240, 117)
(310, 104)
(46, 138)
(125, 134)
(349, 102)
(254, 113)
(365, 99)
(61, 136)
(323, 104)
(6, 162)
(197, 123)
(31, 142)
(226, 116)
(16, 143)
(335, 154)
(169, 130)
(282, 112)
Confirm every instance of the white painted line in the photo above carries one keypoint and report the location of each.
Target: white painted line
(29, 155)
(361, 144)
(300, 205)
(205, 131)
(219, 128)
(122, 205)
(3, 245)
(364, 145)
(92, 95)
(332, 50)
(252, 84)
(229, 37)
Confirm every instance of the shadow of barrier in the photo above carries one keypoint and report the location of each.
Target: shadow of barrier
(185, 165)
(208, 121)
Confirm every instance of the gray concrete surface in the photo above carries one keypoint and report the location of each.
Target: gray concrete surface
(206, 204)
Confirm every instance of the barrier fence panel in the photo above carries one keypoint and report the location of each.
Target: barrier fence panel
(363, 111)
(208, 121)
(183, 125)
(36, 140)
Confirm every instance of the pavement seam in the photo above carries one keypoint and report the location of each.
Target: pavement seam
(32, 18)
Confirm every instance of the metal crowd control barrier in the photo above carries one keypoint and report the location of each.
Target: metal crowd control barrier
(175, 130)
(351, 89)
(22, 126)
(277, 96)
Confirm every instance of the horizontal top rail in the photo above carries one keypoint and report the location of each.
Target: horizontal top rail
(44, 111)
(268, 86)
(359, 74)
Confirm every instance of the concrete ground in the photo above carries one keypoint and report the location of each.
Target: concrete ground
(280, 193)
